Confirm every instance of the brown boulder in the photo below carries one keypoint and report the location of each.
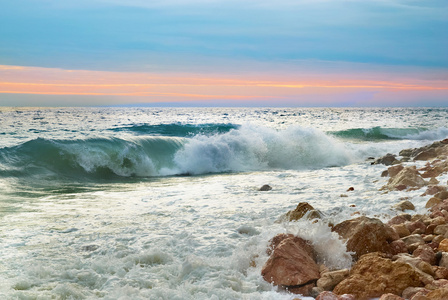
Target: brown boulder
(404, 205)
(302, 209)
(265, 188)
(408, 177)
(399, 219)
(365, 235)
(291, 264)
(374, 275)
(394, 170)
(388, 159)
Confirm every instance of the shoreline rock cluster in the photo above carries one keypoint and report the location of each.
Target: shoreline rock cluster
(405, 258)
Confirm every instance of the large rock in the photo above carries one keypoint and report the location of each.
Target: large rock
(291, 264)
(374, 275)
(408, 177)
(365, 235)
(302, 209)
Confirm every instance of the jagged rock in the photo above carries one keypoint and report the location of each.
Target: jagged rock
(302, 209)
(374, 275)
(291, 264)
(394, 170)
(404, 205)
(423, 269)
(265, 188)
(408, 177)
(329, 280)
(388, 159)
(433, 189)
(365, 235)
(437, 284)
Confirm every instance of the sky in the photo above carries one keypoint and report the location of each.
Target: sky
(224, 53)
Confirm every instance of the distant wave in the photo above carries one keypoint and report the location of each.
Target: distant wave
(177, 129)
(380, 133)
(248, 148)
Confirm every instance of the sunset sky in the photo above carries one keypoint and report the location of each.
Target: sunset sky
(224, 53)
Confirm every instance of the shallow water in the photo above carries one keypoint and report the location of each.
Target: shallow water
(148, 203)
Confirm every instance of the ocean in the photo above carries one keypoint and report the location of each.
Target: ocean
(164, 203)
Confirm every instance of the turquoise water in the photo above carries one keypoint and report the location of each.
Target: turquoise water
(163, 203)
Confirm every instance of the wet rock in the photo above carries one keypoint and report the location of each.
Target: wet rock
(365, 235)
(265, 188)
(442, 195)
(404, 205)
(350, 189)
(304, 290)
(329, 280)
(408, 177)
(433, 202)
(394, 170)
(388, 159)
(291, 264)
(346, 297)
(374, 275)
(303, 209)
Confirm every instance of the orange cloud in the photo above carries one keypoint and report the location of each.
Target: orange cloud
(185, 87)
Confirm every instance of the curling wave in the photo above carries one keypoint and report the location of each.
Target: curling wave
(248, 148)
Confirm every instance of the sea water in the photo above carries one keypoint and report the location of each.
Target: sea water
(164, 203)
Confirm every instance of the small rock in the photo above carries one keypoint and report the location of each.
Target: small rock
(443, 245)
(327, 296)
(404, 205)
(302, 209)
(265, 188)
(350, 189)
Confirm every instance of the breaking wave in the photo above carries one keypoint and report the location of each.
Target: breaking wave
(248, 148)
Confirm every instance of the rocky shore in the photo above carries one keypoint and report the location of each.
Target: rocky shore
(405, 258)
